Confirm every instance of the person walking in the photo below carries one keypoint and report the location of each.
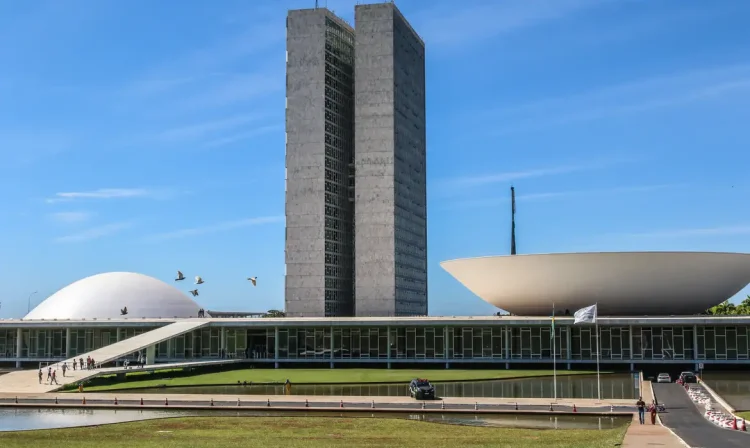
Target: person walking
(641, 405)
(64, 367)
(41, 375)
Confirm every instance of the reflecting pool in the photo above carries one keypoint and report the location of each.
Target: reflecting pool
(24, 419)
(614, 386)
(733, 387)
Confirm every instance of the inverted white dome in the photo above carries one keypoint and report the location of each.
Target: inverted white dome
(102, 296)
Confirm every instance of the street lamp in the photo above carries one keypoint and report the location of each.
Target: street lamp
(29, 300)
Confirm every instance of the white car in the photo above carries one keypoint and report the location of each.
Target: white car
(663, 378)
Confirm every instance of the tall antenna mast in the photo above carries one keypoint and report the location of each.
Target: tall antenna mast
(513, 221)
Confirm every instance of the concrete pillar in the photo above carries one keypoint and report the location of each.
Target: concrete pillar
(276, 347)
(150, 354)
(630, 344)
(223, 341)
(446, 343)
(117, 330)
(19, 347)
(695, 346)
(68, 341)
(330, 356)
(506, 343)
(390, 342)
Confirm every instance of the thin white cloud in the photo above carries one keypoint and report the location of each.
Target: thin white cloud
(200, 130)
(94, 233)
(510, 176)
(449, 25)
(102, 193)
(625, 99)
(216, 228)
(114, 193)
(71, 217)
(545, 196)
(696, 232)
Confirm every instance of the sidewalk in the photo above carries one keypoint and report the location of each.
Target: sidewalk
(639, 436)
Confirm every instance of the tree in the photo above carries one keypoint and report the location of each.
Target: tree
(727, 308)
(275, 313)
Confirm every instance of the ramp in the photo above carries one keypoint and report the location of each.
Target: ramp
(119, 349)
(26, 381)
(684, 418)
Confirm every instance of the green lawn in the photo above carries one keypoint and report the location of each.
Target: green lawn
(311, 376)
(744, 414)
(306, 432)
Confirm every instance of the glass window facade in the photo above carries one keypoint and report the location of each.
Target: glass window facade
(403, 342)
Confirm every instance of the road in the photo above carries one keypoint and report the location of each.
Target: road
(684, 418)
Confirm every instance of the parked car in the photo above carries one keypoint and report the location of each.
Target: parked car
(421, 389)
(663, 378)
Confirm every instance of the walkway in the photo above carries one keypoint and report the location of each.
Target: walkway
(26, 381)
(684, 418)
(639, 436)
(404, 403)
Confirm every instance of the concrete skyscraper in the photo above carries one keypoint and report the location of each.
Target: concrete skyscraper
(356, 237)
(390, 207)
(319, 152)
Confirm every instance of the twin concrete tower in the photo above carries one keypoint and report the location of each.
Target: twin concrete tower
(356, 174)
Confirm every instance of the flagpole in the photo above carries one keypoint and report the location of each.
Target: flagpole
(598, 378)
(554, 354)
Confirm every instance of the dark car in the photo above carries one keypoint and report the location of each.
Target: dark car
(688, 378)
(421, 389)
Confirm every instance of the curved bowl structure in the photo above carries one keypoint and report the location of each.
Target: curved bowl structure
(621, 283)
(102, 296)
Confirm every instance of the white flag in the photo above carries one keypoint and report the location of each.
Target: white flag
(586, 315)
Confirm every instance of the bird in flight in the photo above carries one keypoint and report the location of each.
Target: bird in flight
(194, 292)
(198, 280)
(124, 311)
(179, 276)
(253, 280)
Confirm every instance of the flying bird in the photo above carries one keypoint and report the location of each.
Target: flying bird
(179, 276)
(198, 280)
(194, 292)
(253, 280)
(124, 311)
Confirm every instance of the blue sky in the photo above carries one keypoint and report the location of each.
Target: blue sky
(146, 136)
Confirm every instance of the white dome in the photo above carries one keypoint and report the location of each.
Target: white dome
(102, 296)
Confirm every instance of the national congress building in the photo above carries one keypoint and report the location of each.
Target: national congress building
(356, 198)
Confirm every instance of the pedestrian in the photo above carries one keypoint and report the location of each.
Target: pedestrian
(49, 374)
(653, 413)
(64, 367)
(641, 405)
(54, 377)
(40, 376)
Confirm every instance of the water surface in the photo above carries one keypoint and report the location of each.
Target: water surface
(614, 386)
(24, 419)
(733, 387)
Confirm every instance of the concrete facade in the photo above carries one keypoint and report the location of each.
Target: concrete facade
(356, 238)
(318, 247)
(390, 177)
